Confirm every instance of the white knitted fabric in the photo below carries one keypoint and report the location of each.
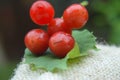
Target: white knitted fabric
(99, 65)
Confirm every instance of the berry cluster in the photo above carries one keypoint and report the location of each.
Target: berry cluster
(58, 35)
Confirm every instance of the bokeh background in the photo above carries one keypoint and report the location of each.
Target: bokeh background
(104, 22)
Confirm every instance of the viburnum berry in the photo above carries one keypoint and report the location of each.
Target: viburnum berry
(75, 16)
(61, 43)
(57, 24)
(36, 41)
(41, 12)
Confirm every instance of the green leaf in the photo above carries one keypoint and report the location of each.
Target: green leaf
(48, 61)
(75, 52)
(85, 40)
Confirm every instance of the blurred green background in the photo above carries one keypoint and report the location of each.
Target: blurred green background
(104, 22)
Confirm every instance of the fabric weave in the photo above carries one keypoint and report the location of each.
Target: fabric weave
(103, 64)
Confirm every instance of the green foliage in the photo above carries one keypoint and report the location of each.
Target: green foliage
(85, 39)
(6, 71)
(110, 10)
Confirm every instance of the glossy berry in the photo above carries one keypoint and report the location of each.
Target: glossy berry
(57, 24)
(75, 16)
(61, 43)
(37, 41)
(41, 12)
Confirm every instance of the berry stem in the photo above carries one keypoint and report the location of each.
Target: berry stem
(84, 3)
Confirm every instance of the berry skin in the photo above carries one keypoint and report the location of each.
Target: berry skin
(57, 24)
(36, 41)
(61, 43)
(41, 12)
(75, 16)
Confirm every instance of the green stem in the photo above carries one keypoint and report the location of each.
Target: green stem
(84, 3)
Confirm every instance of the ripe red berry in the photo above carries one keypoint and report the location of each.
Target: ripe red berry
(41, 12)
(57, 24)
(37, 41)
(61, 43)
(75, 16)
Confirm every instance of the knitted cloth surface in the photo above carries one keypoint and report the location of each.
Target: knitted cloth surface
(103, 64)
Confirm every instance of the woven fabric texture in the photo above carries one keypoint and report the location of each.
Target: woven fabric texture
(103, 64)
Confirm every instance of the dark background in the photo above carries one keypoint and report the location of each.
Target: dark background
(15, 22)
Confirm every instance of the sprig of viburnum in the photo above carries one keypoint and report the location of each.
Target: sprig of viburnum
(63, 43)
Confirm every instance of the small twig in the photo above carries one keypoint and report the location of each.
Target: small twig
(84, 3)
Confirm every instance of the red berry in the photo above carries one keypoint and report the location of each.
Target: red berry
(61, 43)
(57, 24)
(37, 41)
(75, 16)
(41, 12)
